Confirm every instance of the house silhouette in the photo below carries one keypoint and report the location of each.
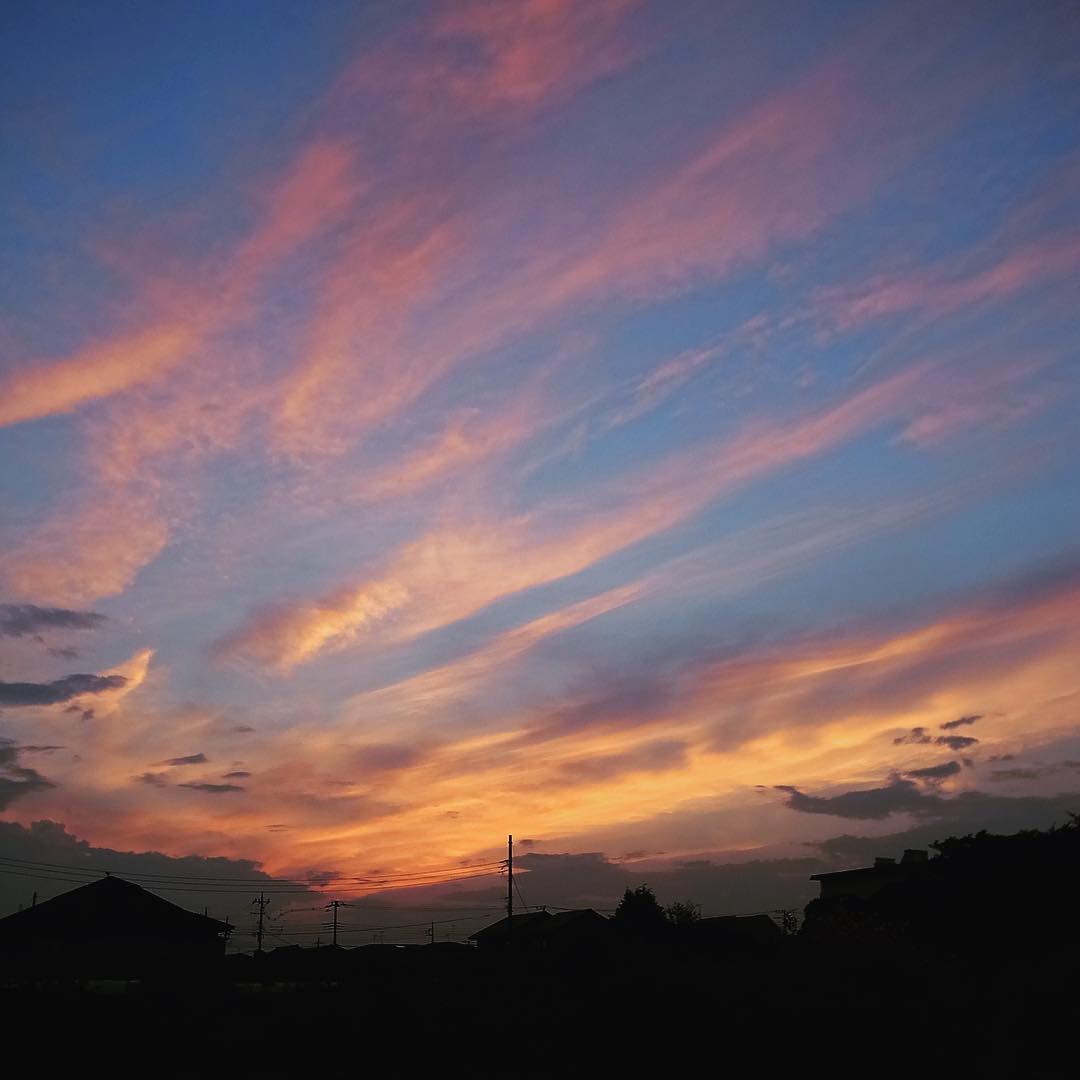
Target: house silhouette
(110, 928)
(865, 882)
(541, 931)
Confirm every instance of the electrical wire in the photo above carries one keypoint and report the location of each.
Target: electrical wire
(277, 886)
(315, 881)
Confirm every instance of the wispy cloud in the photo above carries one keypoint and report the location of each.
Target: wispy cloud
(23, 620)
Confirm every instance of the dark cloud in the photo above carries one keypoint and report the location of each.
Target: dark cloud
(1002, 757)
(154, 779)
(65, 653)
(17, 781)
(1016, 774)
(724, 885)
(951, 725)
(965, 813)
(53, 693)
(955, 742)
(972, 809)
(241, 729)
(27, 620)
(189, 759)
(935, 772)
(593, 880)
(50, 842)
(319, 877)
(899, 796)
(213, 789)
(1032, 772)
(34, 748)
(239, 774)
(917, 735)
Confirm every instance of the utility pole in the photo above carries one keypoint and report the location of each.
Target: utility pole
(261, 902)
(510, 877)
(334, 905)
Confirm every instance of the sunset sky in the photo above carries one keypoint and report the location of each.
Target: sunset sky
(646, 428)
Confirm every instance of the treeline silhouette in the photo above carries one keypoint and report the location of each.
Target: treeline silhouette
(964, 964)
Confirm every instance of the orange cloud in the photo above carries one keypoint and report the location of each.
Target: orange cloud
(316, 189)
(445, 282)
(819, 711)
(455, 571)
(96, 547)
(457, 682)
(92, 550)
(43, 388)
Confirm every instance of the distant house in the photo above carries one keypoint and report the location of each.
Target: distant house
(867, 881)
(541, 931)
(110, 928)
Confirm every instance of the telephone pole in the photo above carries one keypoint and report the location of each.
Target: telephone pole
(333, 906)
(261, 901)
(510, 876)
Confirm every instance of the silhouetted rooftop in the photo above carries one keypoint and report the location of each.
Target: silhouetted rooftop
(510, 926)
(109, 905)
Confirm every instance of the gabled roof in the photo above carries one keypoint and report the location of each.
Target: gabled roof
(578, 917)
(511, 926)
(533, 923)
(109, 905)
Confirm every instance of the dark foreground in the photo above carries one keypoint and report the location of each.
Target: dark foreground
(801, 1007)
(966, 965)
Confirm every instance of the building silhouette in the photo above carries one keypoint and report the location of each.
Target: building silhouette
(110, 928)
(542, 931)
(865, 882)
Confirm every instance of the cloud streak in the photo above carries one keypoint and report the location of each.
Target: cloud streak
(58, 691)
(26, 620)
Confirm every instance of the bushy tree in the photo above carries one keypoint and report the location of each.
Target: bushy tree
(639, 912)
(683, 912)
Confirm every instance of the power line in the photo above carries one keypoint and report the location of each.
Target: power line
(278, 886)
(43, 877)
(517, 889)
(315, 881)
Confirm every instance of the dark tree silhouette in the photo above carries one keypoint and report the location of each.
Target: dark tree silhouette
(639, 912)
(683, 912)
